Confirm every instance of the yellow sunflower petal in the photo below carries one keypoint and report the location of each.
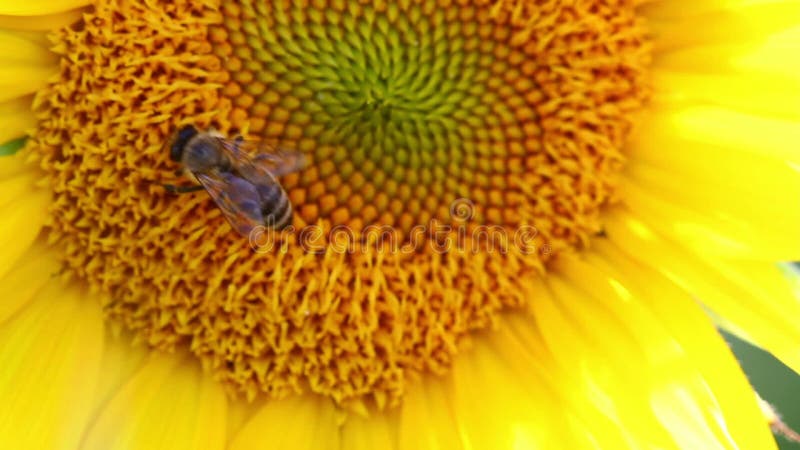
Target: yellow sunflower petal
(17, 47)
(17, 80)
(718, 127)
(684, 397)
(692, 329)
(169, 404)
(518, 381)
(240, 413)
(40, 22)
(16, 187)
(299, 422)
(16, 117)
(525, 351)
(766, 287)
(26, 65)
(751, 295)
(121, 361)
(368, 433)
(427, 420)
(20, 222)
(24, 279)
(748, 21)
(678, 9)
(733, 223)
(758, 94)
(745, 207)
(605, 371)
(738, 183)
(40, 39)
(50, 354)
(495, 409)
(769, 57)
(12, 165)
(39, 7)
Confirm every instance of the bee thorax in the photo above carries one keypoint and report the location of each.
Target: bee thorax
(203, 154)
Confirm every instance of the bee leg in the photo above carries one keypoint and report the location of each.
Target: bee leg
(173, 189)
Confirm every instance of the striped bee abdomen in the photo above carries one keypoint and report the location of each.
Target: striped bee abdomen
(275, 207)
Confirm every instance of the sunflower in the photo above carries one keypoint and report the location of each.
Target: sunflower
(574, 193)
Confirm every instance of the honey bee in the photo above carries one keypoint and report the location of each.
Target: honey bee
(240, 176)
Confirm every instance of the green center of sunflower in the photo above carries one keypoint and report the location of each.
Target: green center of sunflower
(509, 115)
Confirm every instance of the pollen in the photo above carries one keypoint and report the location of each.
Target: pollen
(454, 149)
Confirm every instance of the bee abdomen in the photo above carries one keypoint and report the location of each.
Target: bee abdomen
(276, 208)
(283, 219)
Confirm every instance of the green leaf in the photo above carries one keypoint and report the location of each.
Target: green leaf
(11, 147)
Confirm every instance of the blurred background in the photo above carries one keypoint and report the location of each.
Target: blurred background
(775, 382)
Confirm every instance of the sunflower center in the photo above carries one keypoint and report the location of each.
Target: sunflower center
(502, 120)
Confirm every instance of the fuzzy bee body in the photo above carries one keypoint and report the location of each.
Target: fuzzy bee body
(240, 176)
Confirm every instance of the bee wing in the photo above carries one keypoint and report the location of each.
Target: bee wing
(263, 157)
(236, 197)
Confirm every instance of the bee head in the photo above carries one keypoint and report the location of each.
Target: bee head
(182, 137)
